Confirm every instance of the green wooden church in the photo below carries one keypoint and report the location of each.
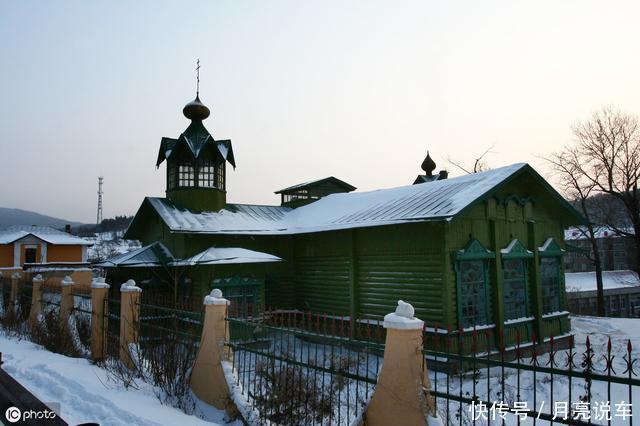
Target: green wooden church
(482, 250)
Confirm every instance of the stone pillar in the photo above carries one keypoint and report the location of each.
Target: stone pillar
(99, 293)
(401, 396)
(36, 300)
(129, 321)
(208, 380)
(66, 300)
(13, 296)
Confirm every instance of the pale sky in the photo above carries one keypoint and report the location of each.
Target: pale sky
(304, 89)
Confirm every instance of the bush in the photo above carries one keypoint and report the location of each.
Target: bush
(168, 363)
(54, 335)
(291, 394)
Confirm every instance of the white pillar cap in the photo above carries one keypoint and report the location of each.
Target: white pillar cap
(16, 275)
(66, 281)
(130, 286)
(215, 298)
(99, 283)
(402, 318)
(38, 278)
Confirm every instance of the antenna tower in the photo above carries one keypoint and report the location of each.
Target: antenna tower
(99, 217)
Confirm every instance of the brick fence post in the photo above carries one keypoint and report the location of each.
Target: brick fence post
(129, 321)
(99, 292)
(401, 394)
(66, 300)
(36, 300)
(208, 380)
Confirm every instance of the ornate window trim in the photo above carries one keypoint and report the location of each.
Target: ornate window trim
(550, 251)
(473, 252)
(515, 252)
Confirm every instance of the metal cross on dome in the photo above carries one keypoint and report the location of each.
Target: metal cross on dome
(198, 77)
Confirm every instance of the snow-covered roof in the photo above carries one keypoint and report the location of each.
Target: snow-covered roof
(439, 200)
(312, 183)
(226, 255)
(154, 254)
(44, 233)
(586, 281)
(157, 254)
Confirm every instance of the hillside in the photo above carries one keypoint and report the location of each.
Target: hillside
(11, 217)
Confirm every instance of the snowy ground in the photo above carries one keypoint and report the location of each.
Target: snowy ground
(621, 330)
(86, 394)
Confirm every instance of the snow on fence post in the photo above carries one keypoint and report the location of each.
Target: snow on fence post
(208, 381)
(401, 394)
(129, 321)
(36, 300)
(66, 300)
(99, 291)
(13, 296)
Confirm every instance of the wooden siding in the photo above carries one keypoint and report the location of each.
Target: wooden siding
(6, 255)
(383, 279)
(64, 253)
(322, 284)
(518, 211)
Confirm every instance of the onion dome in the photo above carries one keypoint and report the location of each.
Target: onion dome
(196, 110)
(428, 165)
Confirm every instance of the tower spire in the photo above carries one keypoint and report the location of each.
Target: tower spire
(198, 77)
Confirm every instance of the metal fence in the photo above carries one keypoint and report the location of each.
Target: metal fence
(111, 320)
(296, 368)
(586, 383)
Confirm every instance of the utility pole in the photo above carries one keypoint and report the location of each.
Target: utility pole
(99, 217)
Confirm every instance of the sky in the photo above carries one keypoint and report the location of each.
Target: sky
(359, 90)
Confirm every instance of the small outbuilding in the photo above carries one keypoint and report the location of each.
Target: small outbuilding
(44, 250)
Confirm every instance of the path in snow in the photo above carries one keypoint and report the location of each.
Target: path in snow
(84, 392)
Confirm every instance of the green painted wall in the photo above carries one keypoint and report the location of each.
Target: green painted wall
(363, 272)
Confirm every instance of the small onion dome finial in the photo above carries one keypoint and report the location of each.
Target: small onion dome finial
(196, 110)
(428, 165)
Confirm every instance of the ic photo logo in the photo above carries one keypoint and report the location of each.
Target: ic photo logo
(13, 414)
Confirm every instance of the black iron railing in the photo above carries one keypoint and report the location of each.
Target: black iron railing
(534, 382)
(291, 369)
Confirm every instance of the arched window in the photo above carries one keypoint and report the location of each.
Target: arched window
(551, 276)
(515, 280)
(186, 175)
(472, 277)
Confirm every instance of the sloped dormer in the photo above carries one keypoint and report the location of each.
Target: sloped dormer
(308, 192)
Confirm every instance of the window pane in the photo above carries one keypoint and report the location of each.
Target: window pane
(515, 289)
(472, 293)
(550, 281)
(206, 174)
(186, 175)
(171, 175)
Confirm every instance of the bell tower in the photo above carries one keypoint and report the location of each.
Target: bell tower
(196, 163)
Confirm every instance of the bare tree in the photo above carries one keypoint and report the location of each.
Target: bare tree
(605, 159)
(479, 165)
(579, 189)
(608, 146)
